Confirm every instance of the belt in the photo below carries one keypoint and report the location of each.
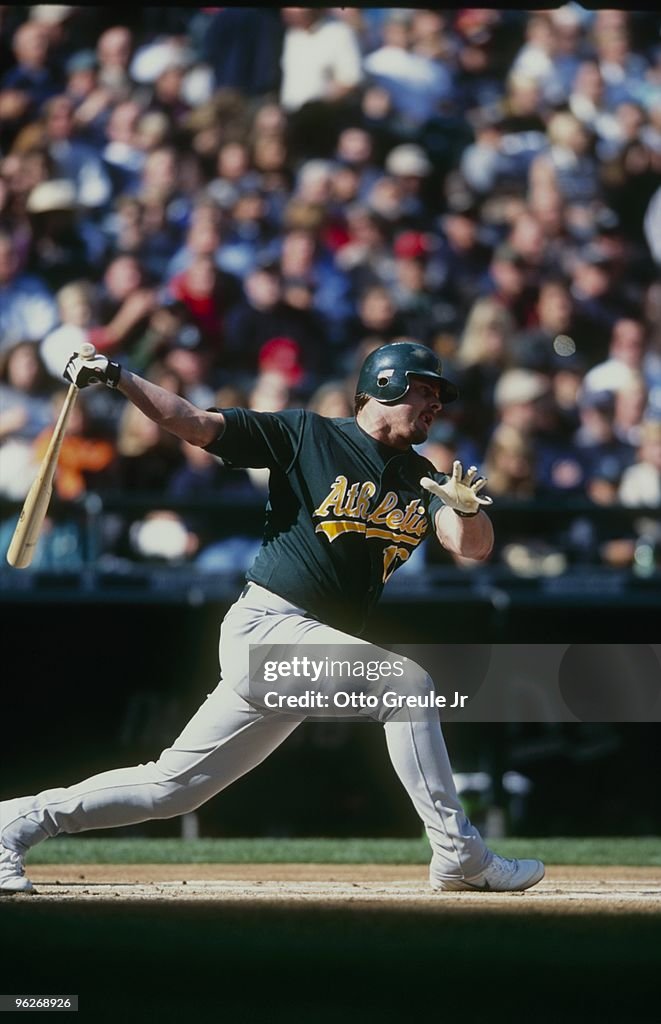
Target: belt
(267, 599)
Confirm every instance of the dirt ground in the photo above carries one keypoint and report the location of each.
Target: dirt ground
(564, 890)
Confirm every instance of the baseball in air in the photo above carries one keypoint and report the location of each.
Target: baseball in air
(87, 350)
(563, 345)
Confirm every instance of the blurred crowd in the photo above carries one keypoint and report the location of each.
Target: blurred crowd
(241, 203)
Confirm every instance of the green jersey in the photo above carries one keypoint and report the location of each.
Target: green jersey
(343, 512)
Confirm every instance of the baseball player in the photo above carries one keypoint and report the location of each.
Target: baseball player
(349, 499)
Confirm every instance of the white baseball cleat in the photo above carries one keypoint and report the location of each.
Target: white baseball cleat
(500, 875)
(12, 873)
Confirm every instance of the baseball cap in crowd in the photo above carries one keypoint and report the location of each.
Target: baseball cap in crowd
(594, 254)
(411, 245)
(607, 467)
(282, 356)
(82, 60)
(603, 401)
(517, 386)
(50, 14)
(152, 60)
(506, 253)
(408, 160)
(47, 196)
(532, 350)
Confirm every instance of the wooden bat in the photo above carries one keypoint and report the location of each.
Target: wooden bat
(35, 507)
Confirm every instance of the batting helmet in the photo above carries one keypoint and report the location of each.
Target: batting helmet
(385, 374)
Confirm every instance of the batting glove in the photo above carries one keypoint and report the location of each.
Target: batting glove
(460, 492)
(98, 370)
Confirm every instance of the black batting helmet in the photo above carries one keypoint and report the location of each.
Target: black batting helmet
(385, 373)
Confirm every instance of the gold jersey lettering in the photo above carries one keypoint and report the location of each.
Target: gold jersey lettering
(349, 509)
(367, 491)
(383, 509)
(335, 499)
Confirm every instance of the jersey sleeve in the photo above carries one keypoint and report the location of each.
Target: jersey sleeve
(258, 440)
(432, 502)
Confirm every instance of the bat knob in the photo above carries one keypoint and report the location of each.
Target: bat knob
(87, 350)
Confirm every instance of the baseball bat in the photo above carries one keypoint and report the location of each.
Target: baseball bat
(35, 506)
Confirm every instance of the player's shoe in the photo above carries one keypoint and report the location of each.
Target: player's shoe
(500, 875)
(12, 873)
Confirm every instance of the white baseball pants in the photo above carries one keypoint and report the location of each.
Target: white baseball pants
(227, 737)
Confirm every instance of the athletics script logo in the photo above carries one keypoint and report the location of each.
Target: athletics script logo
(350, 506)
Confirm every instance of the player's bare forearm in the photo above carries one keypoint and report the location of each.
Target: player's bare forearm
(175, 414)
(469, 537)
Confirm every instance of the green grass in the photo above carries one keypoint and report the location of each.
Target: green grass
(628, 851)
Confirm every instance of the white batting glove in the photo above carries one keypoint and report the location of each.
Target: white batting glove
(460, 492)
(98, 370)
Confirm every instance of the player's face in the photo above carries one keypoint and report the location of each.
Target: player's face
(415, 413)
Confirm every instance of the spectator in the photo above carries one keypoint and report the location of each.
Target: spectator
(416, 83)
(27, 308)
(320, 58)
(83, 458)
(506, 283)
(626, 356)
(64, 244)
(114, 50)
(263, 315)
(641, 483)
(73, 159)
(509, 463)
(481, 358)
(29, 83)
(596, 438)
(377, 316)
(25, 410)
(243, 48)
(123, 156)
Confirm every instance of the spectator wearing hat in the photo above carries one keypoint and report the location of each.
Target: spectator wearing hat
(422, 309)
(507, 283)
(596, 438)
(64, 245)
(598, 302)
(27, 308)
(90, 101)
(524, 400)
(410, 167)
